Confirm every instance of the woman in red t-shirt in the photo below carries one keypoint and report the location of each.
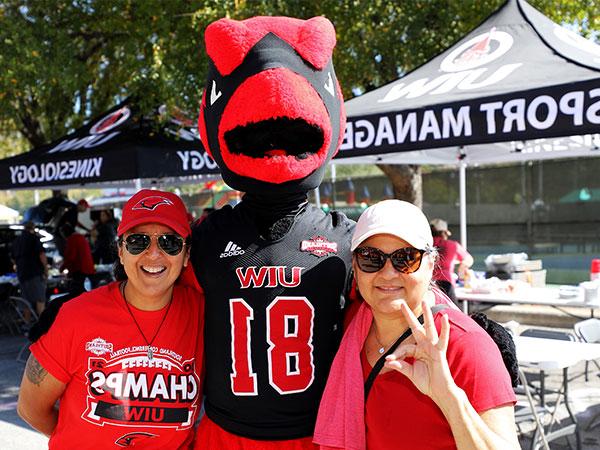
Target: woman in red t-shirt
(449, 254)
(445, 386)
(125, 360)
(78, 261)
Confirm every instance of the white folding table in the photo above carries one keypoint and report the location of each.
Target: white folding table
(548, 296)
(552, 354)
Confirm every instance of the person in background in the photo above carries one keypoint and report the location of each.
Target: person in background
(78, 259)
(105, 238)
(7, 264)
(70, 216)
(205, 212)
(31, 264)
(450, 253)
(430, 394)
(125, 360)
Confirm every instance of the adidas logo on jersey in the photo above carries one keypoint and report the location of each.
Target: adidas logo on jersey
(232, 250)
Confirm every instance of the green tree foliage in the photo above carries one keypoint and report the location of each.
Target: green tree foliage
(64, 61)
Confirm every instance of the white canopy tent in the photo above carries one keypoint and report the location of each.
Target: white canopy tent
(517, 88)
(485, 154)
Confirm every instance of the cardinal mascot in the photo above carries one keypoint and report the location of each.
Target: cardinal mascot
(275, 270)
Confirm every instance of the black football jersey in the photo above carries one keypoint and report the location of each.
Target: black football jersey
(273, 318)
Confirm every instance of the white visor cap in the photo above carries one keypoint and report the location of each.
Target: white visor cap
(396, 217)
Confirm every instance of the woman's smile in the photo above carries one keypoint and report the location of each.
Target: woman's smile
(154, 270)
(389, 289)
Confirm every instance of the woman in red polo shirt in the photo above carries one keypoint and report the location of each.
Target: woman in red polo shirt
(445, 386)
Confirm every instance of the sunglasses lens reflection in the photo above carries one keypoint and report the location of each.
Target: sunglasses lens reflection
(171, 244)
(370, 259)
(137, 243)
(404, 260)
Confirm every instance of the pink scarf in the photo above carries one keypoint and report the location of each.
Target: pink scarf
(341, 418)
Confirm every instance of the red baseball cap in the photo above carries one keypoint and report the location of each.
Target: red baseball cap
(84, 203)
(148, 206)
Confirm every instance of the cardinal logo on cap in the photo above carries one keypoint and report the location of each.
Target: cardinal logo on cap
(151, 203)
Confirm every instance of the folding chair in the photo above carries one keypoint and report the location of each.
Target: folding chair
(531, 411)
(588, 331)
(20, 310)
(541, 413)
(549, 334)
(546, 334)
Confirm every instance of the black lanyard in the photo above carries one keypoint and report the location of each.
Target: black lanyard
(381, 361)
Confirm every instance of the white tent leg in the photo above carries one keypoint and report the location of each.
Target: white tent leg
(462, 189)
(317, 197)
(333, 176)
(138, 184)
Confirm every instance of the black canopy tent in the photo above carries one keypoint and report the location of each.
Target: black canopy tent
(119, 147)
(518, 87)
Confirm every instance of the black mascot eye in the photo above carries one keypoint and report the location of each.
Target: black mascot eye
(214, 93)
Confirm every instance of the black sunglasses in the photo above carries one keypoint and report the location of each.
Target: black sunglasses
(171, 244)
(404, 260)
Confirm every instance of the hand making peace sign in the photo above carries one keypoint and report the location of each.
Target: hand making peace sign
(429, 372)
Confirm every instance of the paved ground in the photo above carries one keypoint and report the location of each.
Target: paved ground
(16, 435)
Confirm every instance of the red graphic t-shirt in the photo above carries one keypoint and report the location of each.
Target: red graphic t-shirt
(116, 397)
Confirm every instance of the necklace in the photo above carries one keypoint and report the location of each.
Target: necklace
(382, 347)
(148, 342)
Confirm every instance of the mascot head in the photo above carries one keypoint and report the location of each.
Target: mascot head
(272, 113)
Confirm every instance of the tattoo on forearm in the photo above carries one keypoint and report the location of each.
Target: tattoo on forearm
(34, 370)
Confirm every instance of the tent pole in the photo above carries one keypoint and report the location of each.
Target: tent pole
(138, 184)
(462, 177)
(317, 197)
(333, 175)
